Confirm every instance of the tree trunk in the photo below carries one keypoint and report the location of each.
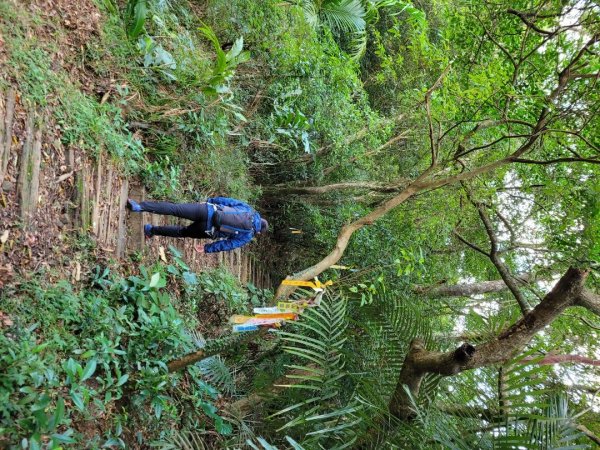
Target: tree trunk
(419, 361)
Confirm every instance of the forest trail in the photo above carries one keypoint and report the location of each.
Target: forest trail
(50, 194)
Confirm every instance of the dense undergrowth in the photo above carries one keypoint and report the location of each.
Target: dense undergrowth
(89, 366)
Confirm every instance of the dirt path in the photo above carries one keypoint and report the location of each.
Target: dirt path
(50, 196)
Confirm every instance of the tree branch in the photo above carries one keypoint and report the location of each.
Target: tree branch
(589, 434)
(562, 359)
(533, 26)
(502, 269)
(470, 289)
(557, 160)
(470, 244)
(419, 361)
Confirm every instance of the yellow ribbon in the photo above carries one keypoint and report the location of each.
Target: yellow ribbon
(315, 285)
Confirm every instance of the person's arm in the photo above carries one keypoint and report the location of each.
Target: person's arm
(228, 244)
(226, 201)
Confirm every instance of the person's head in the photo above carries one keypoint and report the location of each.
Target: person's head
(264, 226)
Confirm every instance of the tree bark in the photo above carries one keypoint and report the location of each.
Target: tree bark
(419, 361)
(590, 301)
(469, 289)
(586, 298)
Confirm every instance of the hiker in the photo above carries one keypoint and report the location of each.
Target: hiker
(228, 219)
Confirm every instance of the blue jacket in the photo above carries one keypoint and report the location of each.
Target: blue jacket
(229, 240)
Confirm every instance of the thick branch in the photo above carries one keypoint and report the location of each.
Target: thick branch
(420, 361)
(556, 160)
(590, 301)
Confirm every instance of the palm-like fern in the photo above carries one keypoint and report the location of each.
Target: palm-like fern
(214, 368)
(218, 374)
(390, 323)
(348, 17)
(535, 417)
(319, 343)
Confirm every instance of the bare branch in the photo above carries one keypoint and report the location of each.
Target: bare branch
(557, 160)
(470, 244)
(575, 133)
(530, 24)
(503, 270)
(561, 359)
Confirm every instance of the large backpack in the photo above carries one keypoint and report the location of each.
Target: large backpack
(233, 221)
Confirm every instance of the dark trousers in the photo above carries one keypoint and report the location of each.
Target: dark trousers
(197, 212)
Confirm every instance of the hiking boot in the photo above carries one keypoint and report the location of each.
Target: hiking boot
(148, 231)
(134, 206)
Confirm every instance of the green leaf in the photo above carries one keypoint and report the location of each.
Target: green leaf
(64, 438)
(39, 348)
(122, 380)
(190, 278)
(88, 354)
(236, 49)
(294, 444)
(89, 370)
(59, 413)
(77, 400)
(223, 427)
(138, 20)
(154, 280)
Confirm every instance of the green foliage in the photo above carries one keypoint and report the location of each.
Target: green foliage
(221, 286)
(348, 18)
(218, 374)
(135, 17)
(225, 64)
(70, 356)
(319, 344)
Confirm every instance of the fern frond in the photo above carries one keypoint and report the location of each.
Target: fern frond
(184, 440)
(319, 342)
(218, 374)
(343, 15)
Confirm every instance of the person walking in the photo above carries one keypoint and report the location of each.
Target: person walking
(231, 221)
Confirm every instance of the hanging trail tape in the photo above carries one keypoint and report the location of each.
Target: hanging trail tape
(275, 316)
(311, 284)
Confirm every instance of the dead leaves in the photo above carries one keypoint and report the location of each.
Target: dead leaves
(6, 274)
